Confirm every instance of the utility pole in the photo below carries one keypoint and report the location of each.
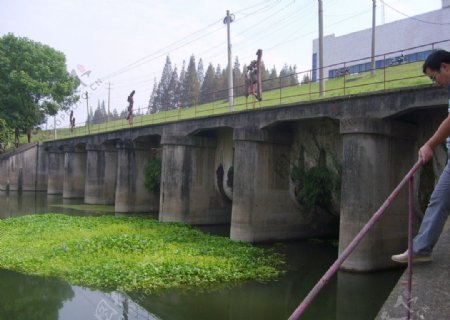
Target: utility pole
(321, 78)
(54, 127)
(87, 108)
(374, 7)
(227, 20)
(109, 97)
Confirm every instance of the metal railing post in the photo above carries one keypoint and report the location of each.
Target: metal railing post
(349, 249)
(410, 248)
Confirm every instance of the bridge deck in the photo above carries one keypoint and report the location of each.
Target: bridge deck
(431, 287)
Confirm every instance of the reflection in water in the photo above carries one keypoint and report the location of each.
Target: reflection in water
(355, 292)
(21, 203)
(357, 299)
(348, 296)
(254, 300)
(25, 297)
(31, 297)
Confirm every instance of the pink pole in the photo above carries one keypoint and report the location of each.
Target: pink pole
(349, 249)
(410, 250)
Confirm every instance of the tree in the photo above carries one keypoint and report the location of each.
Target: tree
(5, 135)
(265, 77)
(220, 89)
(100, 114)
(152, 107)
(200, 72)
(207, 89)
(293, 75)
(285, 76)
(173, 91)
(115, 114)
(162, 100)
(305, 79)
(181, 101)
(191, 86)
(273, 83)
(34, 83)
(238, 79)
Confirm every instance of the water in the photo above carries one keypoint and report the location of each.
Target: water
(348, 296)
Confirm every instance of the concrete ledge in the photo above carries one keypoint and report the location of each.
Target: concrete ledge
(202, 142)
(379, 126)
(430, 288)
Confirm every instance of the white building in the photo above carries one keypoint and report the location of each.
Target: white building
(407, 38)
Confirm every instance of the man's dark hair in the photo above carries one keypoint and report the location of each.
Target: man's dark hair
(435, 59)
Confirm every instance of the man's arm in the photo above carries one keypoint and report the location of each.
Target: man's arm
(426, 151)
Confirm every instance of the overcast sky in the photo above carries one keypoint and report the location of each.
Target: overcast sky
(124, 44)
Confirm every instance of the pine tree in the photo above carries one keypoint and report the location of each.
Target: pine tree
(115, 114)
(293, 75)
(273, 83)
(162, 99)
(200, 72)
(152, 105)
(207, 89)
(173, 90)
(181, 102)
(191, 89)
(219, 91)
(284, 76)
(238, 79)
(103, 110)
(306, 79)
(265, 77)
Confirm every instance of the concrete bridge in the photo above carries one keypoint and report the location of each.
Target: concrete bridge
(236, 168)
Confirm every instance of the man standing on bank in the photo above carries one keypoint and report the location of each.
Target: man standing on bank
(437, 67)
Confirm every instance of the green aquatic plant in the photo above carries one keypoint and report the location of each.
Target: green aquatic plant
(128, 253)
(100, 208)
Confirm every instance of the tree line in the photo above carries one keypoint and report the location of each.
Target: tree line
(192, 85)
(35, 84)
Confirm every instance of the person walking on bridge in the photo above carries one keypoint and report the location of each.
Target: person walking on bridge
(130, 101)
(437, 67)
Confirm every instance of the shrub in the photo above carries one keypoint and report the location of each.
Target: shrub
(153, 175)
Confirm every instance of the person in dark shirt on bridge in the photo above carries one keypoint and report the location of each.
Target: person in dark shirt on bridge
(130, 101)
(437, 67)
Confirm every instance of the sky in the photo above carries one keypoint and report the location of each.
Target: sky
(117, 46)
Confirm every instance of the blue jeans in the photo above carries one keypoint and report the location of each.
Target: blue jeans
(435, 216)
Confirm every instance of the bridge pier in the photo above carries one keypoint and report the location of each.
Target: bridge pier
(55, 184)
(377, 154)
(262, 206)
(188, 182)
(101, 174)
(74, 172)
(28, 169)
(4, 176)
(131, 194)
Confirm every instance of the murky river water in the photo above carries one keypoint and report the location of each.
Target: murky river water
(348, 296)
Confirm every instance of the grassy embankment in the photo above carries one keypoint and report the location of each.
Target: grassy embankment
(129, 253)
(406, 75)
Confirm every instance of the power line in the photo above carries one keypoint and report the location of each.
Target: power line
(164, 50)
(413, 18)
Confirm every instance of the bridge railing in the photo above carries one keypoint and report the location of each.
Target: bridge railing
(408, 179)
(392, 70)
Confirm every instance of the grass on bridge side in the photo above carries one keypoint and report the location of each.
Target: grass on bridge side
(405, 75)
